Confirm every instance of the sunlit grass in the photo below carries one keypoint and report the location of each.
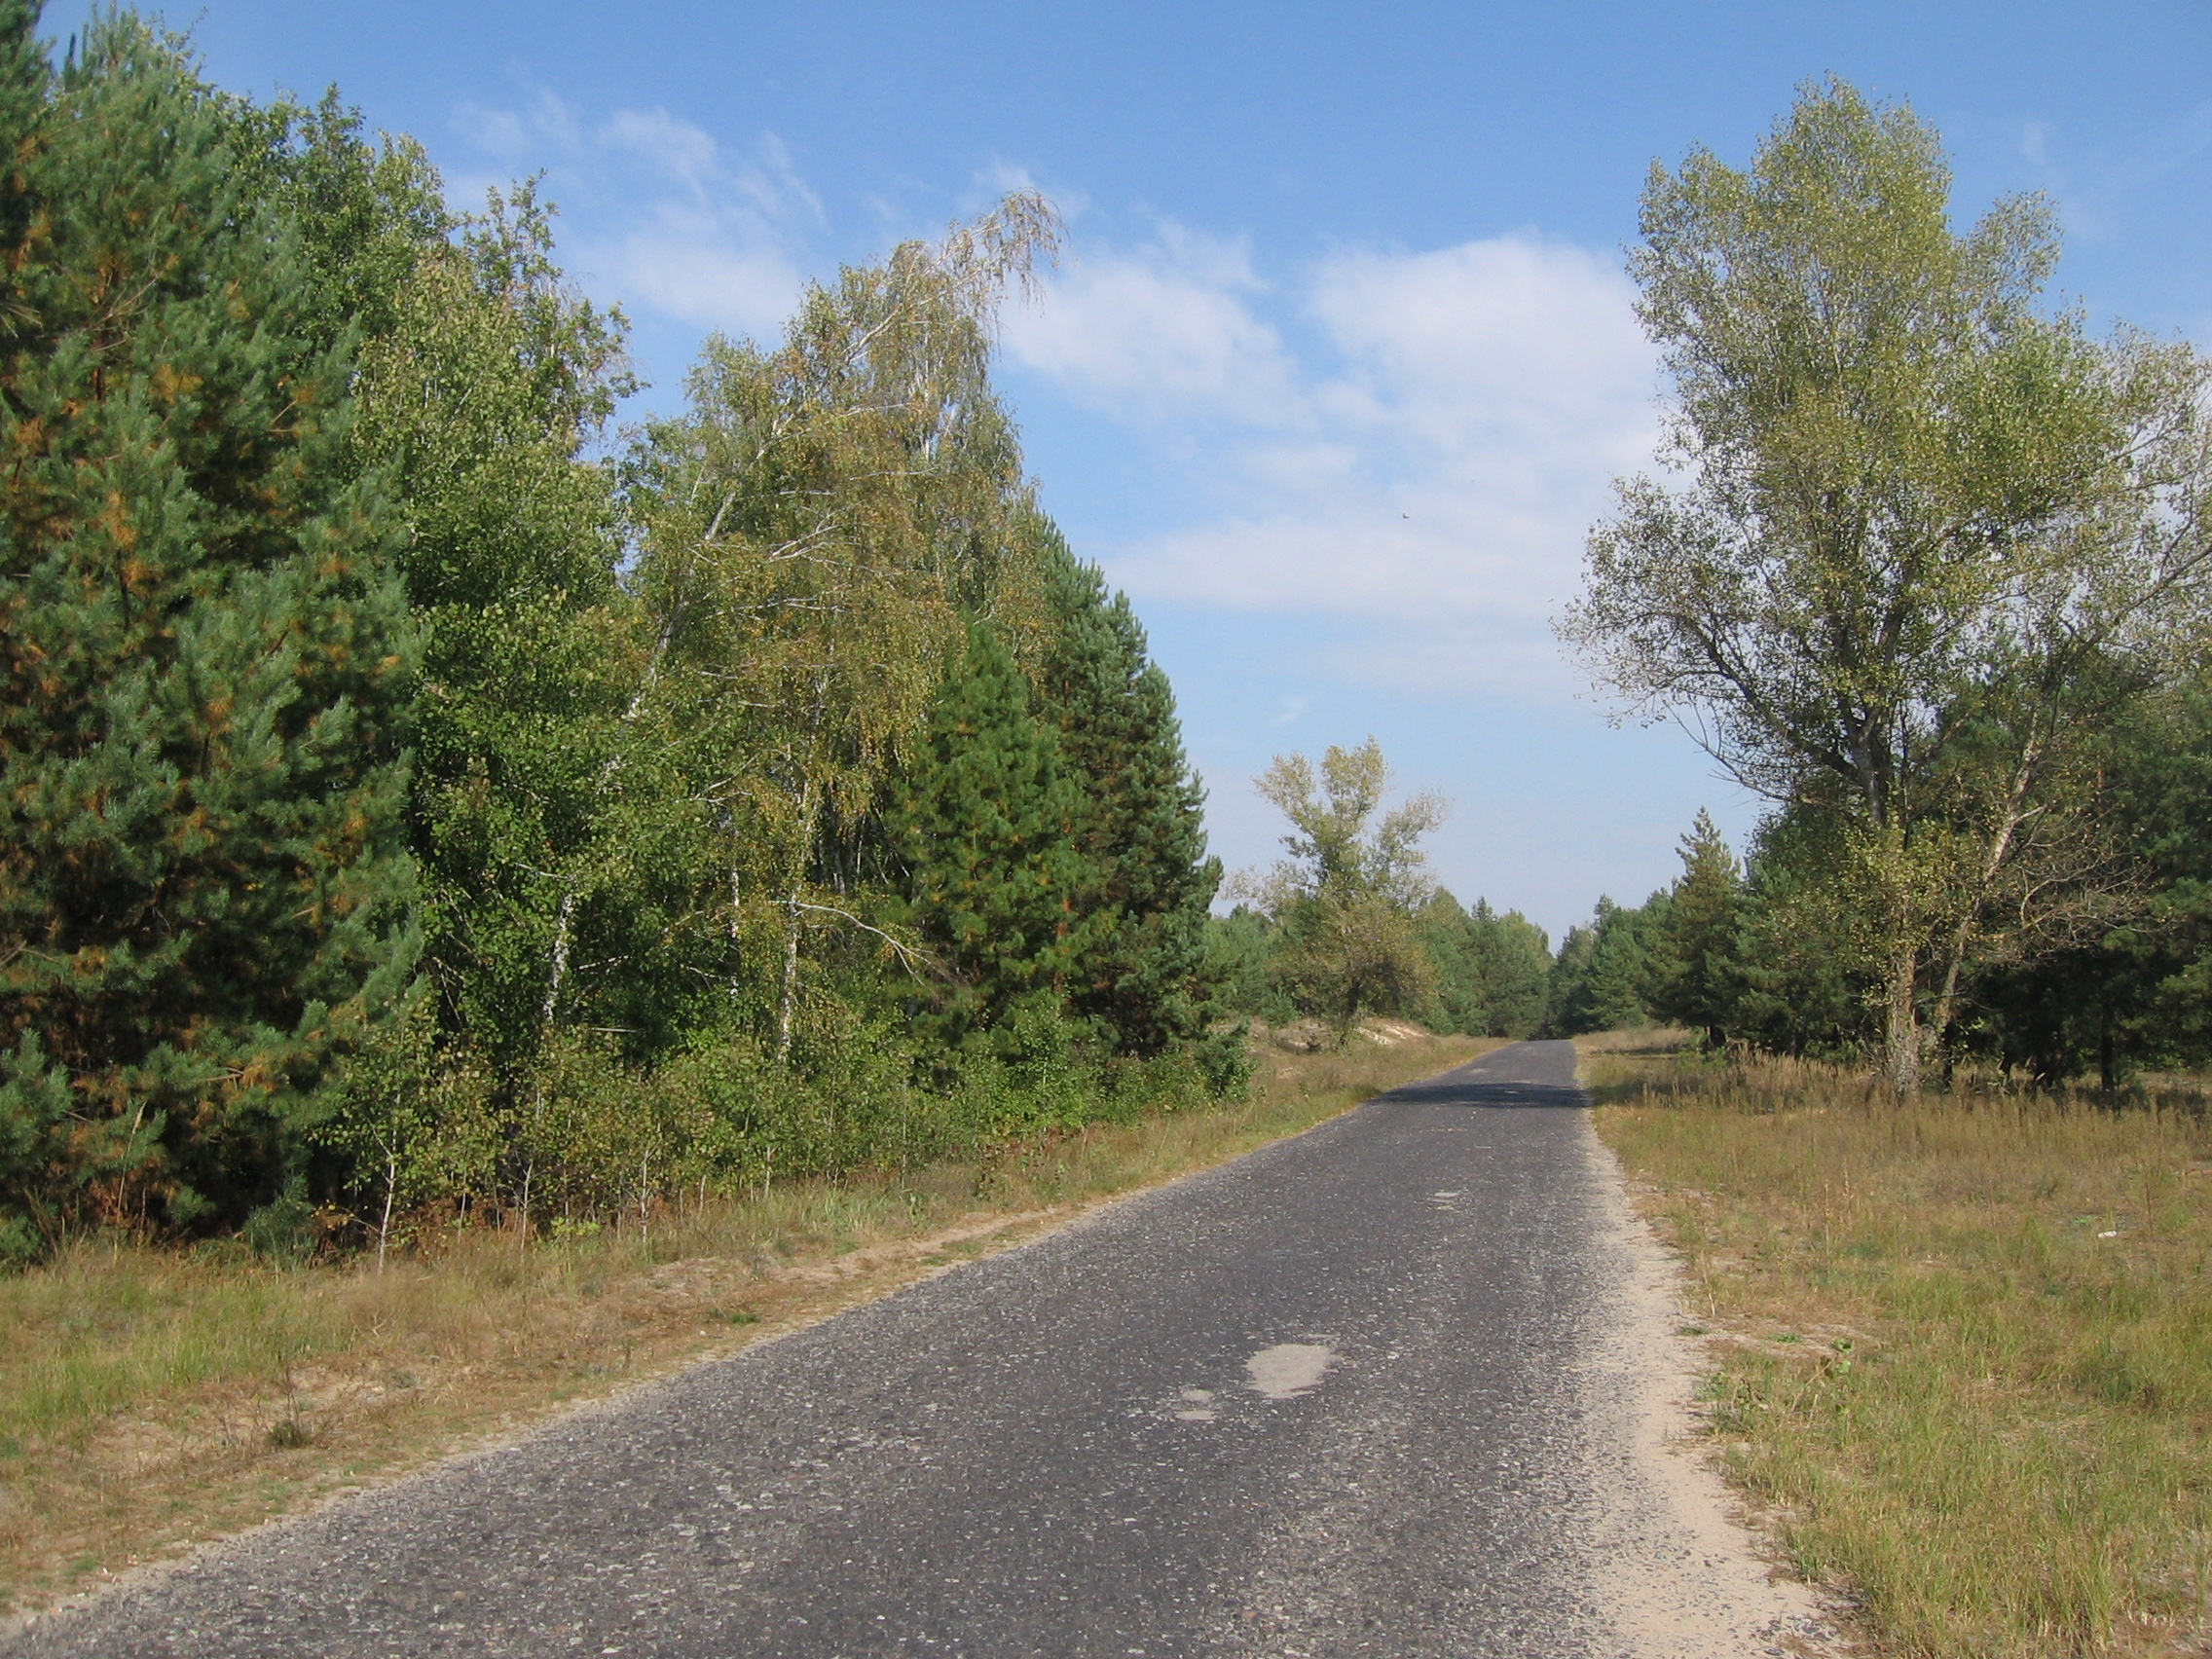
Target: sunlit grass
(1969, 1366)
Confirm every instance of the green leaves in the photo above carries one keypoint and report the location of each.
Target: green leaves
(1345, 898)
(703, 790)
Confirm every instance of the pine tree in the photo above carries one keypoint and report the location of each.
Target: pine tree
(1511, 961)
(23, 87)
(203, 894)
(984, 826)
(1491, 970)
(1604, 975)
(1457, 1004)
(1699, 981)
(1806, 987)
(1625, 972)
(1142, 964)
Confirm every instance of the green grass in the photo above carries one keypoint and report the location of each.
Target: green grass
(150, 1398)
(1967, 1369)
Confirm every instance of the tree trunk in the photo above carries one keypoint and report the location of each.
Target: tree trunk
(736, 935)
(390, 1193)
(563, 919)
(791, 980)
(563, 923)
(2000, 849)
(785, 1002)
(1902, 1045)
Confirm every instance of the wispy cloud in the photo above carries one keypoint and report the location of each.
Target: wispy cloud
(675, 221)
(2100, 188)
(1163, 335)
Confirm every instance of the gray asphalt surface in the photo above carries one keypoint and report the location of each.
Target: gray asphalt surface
(1058, 1451)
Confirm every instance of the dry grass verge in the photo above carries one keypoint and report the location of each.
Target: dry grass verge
(150, 1400)
(1963, 1359)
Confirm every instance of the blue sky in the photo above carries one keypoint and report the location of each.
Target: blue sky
(1340, 361)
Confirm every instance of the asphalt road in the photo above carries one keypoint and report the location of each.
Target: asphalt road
(1361, 1393)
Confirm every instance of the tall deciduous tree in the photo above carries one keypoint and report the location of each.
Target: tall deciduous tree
(557, 850)
(205, 893)
(819, 528)
(1928, 533)
(1346, 897)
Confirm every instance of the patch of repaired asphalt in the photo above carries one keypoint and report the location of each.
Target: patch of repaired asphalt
(1401, 1385)
(1288, 1370)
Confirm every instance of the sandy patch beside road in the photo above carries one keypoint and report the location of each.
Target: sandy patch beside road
(1679, 1574)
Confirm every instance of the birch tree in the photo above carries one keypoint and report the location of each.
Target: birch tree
(819, 526)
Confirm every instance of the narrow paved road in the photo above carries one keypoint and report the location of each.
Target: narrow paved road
(1362, 1393)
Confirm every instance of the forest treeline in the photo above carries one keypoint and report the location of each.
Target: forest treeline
(1763, 952)
(415, 798)
(1349, 922)
(419, 799)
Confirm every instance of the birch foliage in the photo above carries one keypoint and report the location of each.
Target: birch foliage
(817, 529)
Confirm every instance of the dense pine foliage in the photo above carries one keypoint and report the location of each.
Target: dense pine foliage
(205, 893)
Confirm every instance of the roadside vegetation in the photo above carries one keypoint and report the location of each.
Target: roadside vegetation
(1928, 567)
(1958, 1343)
(421, 802)
(493, 901)
(151, 1397)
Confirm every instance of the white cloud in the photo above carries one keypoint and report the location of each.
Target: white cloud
(678, 267)
(676, 147)
(1422, 471)
(699, 234)
(1163, 335)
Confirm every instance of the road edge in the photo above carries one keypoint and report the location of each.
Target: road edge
(1682, 1571)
